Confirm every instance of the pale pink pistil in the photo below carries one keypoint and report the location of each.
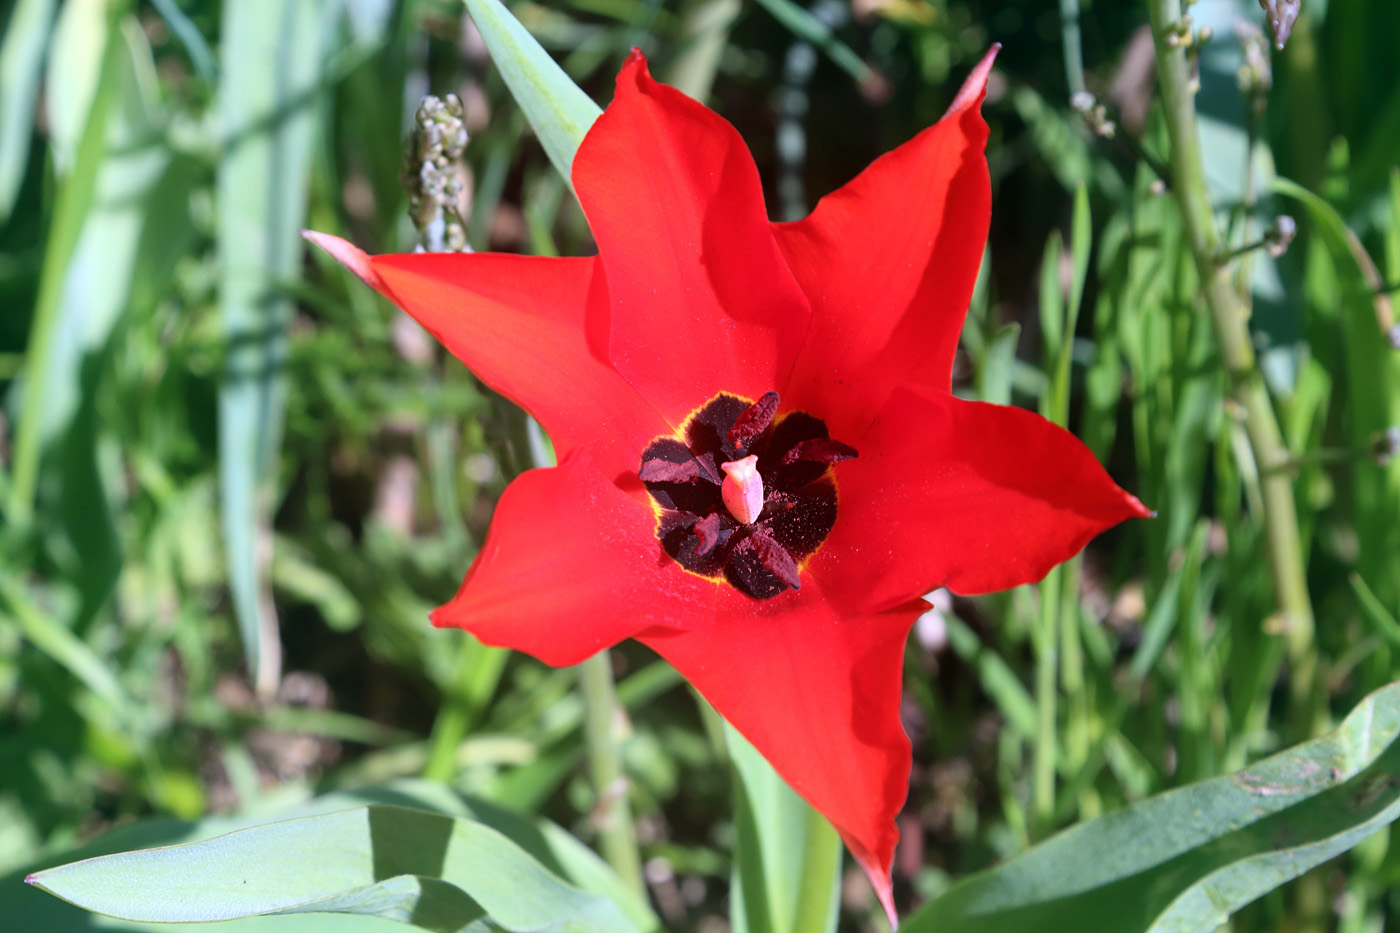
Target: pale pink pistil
(742, 489)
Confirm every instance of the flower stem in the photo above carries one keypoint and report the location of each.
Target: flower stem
(1047, 686)
(600, 733)
(1072, 40)
(1230, 316)
(821, 876)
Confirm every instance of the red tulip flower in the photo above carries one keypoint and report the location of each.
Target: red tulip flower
(762, 467)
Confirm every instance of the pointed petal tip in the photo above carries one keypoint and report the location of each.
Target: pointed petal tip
(354, 259)
(884, 891)
(635, 71)
(877, 874)
(975, 87)
(1138, 509)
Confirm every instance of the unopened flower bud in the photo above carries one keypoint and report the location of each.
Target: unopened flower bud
(1280, 234)
(1387, 445)
(1282, 15)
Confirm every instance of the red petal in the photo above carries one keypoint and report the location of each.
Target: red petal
(889, 262)
(571, 565)
(815, 686)
(967, 495)
(702, 300)
(522, 324)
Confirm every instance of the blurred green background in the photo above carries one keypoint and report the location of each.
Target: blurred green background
(234, 481)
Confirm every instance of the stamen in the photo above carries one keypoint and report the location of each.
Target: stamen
(707, 532)
(774, 557)
(754, 421)
(742, 489)
(820, 450)
(657, 470)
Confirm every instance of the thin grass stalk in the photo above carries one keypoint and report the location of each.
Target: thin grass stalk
(1230, 317)
(1073, 42)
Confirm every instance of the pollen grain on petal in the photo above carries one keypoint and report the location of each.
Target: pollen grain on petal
(707, 532)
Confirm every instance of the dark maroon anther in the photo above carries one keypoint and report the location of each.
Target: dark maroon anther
(707, 533)
(773, 556)
(820, 450)
(754, 421)
(657, 470)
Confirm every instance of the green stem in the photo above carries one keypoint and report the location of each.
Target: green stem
(821, 876)
(1073, 43)
(600, 734)
(472, 683)
(1046, 700)
(1230, 316)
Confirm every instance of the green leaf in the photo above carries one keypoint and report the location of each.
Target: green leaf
(74, 74)
(271, 62)
(21, 58)
(1373, 384)
(402, 864)
(787, 862)
(545, 842)
(560, 113)
(1183, 861)
(803, 24)
(72, 204)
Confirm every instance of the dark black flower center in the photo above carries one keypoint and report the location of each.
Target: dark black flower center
(794, 454)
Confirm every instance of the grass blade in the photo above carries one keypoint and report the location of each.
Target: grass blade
(560, 113)
(74, 199)
(271, 61)
(21, 61)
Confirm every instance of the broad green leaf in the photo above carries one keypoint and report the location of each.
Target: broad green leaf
(271, 61)
(401, 864)
(787, 863)
(21, 58)
(560, 113)
(546, 843)
(1184, 861)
